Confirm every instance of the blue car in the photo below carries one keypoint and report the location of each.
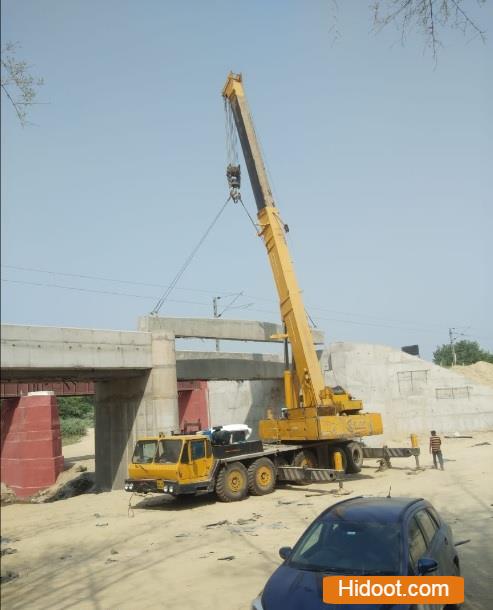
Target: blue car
(362, 536)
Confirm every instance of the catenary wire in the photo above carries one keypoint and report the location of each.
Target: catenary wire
(203, 304)
(224, 292)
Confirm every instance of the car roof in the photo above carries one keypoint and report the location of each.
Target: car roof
(370, 509)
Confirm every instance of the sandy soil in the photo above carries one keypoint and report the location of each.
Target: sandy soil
(94, 552)
(480, 372)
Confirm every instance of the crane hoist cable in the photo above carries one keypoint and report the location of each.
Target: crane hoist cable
(231, 135)
(188, 260)
(233, 168)
(255, 225)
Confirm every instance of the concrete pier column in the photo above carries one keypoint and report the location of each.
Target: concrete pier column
(128, 408)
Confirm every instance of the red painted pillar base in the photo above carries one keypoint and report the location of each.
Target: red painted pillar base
(31, 443)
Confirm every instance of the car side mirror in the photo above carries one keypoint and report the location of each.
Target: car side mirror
(285, 552)
(427, 565)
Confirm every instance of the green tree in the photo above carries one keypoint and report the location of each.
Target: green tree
(467, 352)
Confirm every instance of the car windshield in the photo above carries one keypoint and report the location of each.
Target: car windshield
(144, 452)
(344, 547)
(169, 451)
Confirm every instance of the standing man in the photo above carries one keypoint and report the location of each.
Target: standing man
(436, 449)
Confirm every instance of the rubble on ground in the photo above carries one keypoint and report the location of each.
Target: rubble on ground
(70, 483)
(7, 496)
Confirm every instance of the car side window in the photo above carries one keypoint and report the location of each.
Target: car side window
(184, 455)
(198, 450)
(417, 543)
(434, 515)
(427, 524)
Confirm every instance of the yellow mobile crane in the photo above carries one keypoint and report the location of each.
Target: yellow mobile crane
(320, 421)
(314, 410)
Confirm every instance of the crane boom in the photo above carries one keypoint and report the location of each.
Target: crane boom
(293, 314)
(317, 399)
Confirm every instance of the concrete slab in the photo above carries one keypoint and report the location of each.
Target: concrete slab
(46, 347)
(217, 328)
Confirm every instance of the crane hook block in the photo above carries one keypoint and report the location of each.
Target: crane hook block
(233, 174)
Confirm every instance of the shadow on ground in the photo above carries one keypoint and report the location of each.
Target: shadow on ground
(79, 458)
(166, 502)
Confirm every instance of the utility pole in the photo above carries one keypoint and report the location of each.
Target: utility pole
(452, 339)
(228, 306)
(216, 315)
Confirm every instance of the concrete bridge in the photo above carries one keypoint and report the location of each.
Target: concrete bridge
(135, 373)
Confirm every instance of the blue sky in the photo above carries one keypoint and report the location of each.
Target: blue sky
(380, 161)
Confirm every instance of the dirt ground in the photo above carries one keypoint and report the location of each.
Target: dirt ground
(96, 552)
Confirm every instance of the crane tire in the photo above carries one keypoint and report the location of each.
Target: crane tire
(354, 457)
(307, 458)
(232, 483)
(261, 477)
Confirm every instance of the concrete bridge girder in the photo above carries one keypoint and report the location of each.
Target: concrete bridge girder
(46, 347)
(218, 328)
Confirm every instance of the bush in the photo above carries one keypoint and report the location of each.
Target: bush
(76, 407)
(76, 415)
(72, 426)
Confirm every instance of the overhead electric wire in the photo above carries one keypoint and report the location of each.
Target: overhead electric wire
(96, 291)
(203, 304)
(82, 276)
(372, 319)
(230, 304)
(225, 293)
(188, 260)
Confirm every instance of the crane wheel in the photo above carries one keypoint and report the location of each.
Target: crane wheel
(261, 477)
(354, 457)
(232, 483)
(305, 458)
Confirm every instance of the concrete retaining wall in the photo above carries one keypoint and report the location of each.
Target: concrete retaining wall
(233, 402)
(412, 394)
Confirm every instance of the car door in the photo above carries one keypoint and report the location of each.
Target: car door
(444, 534)
(434, 541)
(417, 548)
(200, 462)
